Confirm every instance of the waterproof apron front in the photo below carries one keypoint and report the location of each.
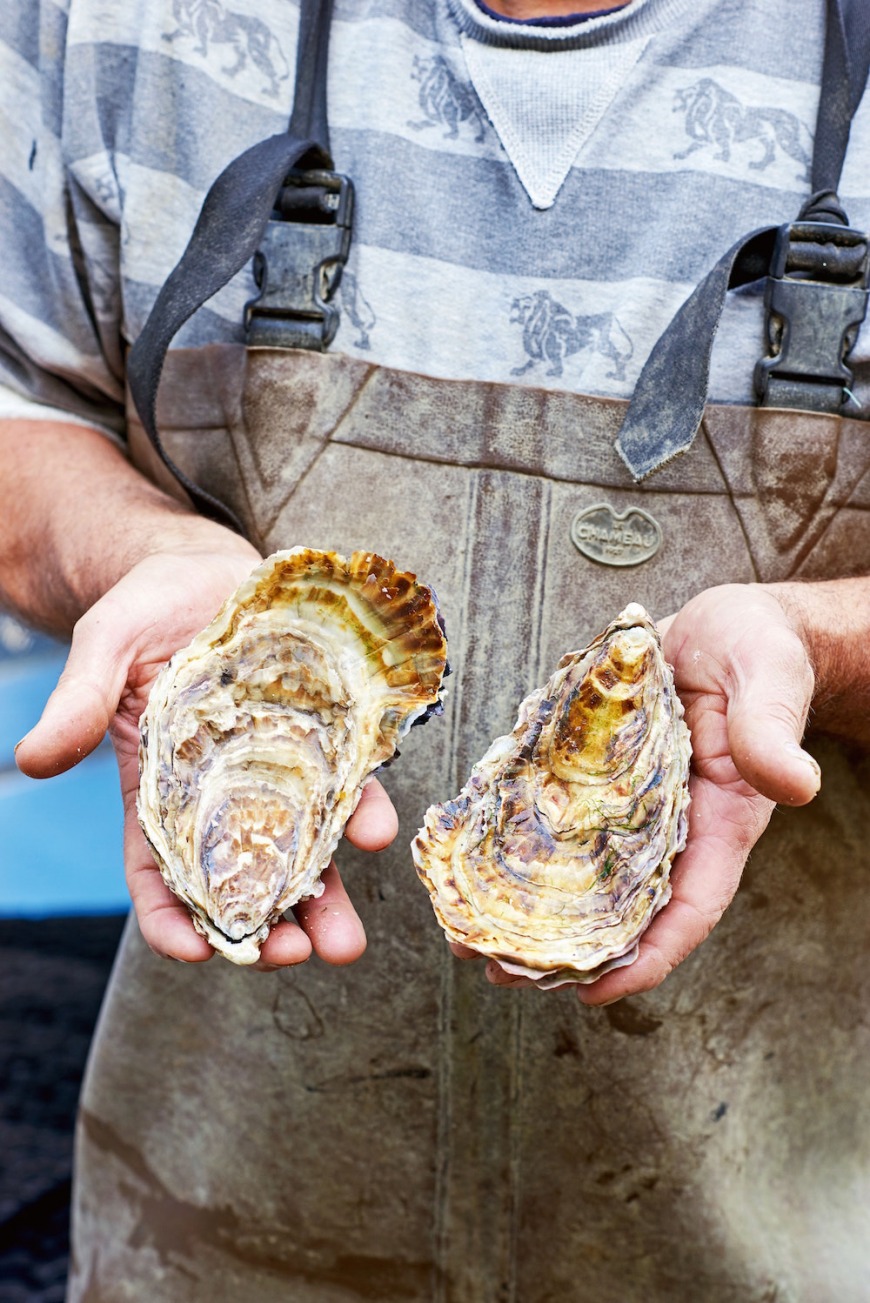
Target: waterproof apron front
(399, 1130)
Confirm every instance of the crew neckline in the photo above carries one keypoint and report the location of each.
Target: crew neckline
(630, 21)
(551, 20)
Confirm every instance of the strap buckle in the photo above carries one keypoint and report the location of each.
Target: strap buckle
(299, 263)
(816, 299)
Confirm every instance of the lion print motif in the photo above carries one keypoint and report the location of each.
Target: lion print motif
(249, 38)
(551, 334)
(717, 119)
(357, 309)
(445, 101)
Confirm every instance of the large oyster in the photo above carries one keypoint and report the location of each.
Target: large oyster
(556, 855)
(259, 736)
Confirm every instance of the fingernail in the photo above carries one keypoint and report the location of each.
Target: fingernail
(18, 744)
(793, 749)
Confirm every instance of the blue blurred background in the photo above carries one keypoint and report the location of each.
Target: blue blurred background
(59, 839)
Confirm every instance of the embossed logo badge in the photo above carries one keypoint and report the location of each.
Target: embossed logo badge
(616, 538)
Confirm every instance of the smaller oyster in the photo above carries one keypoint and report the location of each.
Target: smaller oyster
(259, 736)
(556, 855)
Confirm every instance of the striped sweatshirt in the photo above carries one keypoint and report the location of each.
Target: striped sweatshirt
(533, 202)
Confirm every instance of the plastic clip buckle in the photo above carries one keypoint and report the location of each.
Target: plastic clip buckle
(299, 264)
(816, 298)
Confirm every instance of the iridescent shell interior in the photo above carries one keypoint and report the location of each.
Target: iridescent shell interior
(556, 855)
(259, 736)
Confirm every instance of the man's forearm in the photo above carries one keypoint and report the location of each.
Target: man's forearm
(833, 619)
(75, 517)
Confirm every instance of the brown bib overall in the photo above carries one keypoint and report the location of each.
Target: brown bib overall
(399, 1130)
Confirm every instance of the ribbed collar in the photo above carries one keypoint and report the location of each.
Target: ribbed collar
(555, 20)
(640, 18)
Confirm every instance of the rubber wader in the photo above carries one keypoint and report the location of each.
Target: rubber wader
(398, 1129)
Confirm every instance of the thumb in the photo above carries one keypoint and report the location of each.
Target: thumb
(767, 713)
(79, 711)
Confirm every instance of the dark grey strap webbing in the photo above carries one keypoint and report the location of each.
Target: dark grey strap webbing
(844, 78)
(665, 412)
(229, 230)
(669, 399)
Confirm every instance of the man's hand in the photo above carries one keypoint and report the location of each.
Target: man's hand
(118, 648)
(745, 679)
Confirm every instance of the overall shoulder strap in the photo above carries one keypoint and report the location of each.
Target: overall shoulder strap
(844, 78)
(830, 265)
(230, 228)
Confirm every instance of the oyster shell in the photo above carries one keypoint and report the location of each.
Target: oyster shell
(258, 737)
(556, 855)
